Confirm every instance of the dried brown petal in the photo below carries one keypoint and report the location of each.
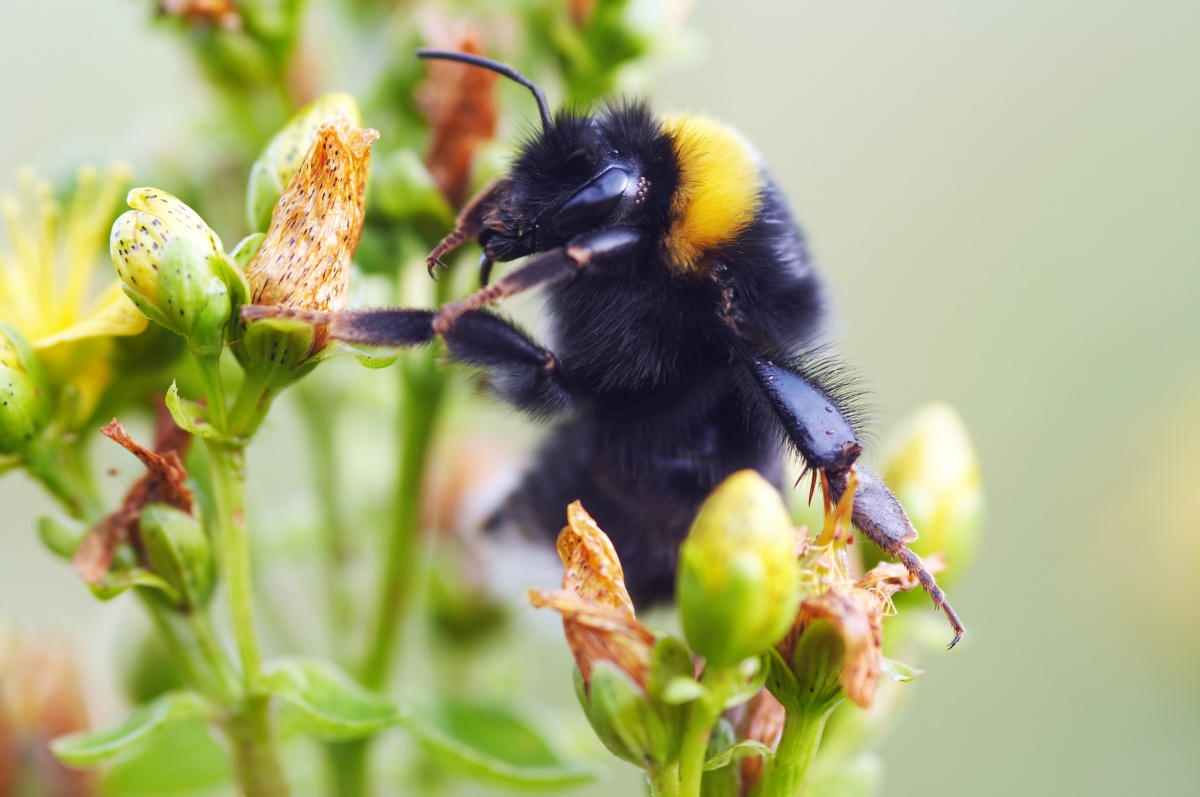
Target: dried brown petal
(460, 104)
(304, 260)
(164, 483)
(40, 699)
(212, 12)
(763, 722)
(857, 615)
(598, 616)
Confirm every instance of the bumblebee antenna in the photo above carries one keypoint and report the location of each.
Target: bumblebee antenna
(494, 66)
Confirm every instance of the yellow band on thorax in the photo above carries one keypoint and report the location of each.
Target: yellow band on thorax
(720, 182)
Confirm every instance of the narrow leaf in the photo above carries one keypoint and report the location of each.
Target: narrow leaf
(330, 704)
(744, 748)
(91, 748)
(492, 744)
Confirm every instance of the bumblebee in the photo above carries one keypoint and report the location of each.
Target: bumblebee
(684, 308)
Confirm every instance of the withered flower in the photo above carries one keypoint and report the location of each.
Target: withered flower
(223, 13)
(155, 520)
(598, 616)
(622, 668)
(40, 699)
(304, 260)
(835, 646)
(460, 105)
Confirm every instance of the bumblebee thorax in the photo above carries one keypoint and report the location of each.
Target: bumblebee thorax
(719, 189)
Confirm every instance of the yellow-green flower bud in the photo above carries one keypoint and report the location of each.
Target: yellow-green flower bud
(934, 472)
(739, 581)
(173, 267)
(24, 396)
(281, 158)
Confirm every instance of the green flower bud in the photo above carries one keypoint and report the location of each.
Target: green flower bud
(173, 267)
(281, 158)
(934, 472)
(24, 396)
(632, 719)
(178, 552)
(739, 582)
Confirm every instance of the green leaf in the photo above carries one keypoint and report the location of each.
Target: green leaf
(120, 580)
(754, 670)
(898, 671)
(493, 744)
(329, 703)
(140, 728)
(61, 537)
(188, 415)
(365, 359)
(681, 689)
(181, 758)
(744, 748)
(861, 776)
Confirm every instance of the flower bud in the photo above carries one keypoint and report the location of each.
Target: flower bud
(933, 470)
(281, 158)
(178, 552)
(24, 396)
(739, 582)
(174, 269)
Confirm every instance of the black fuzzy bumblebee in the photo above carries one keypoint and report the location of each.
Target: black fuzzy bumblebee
(682, 303)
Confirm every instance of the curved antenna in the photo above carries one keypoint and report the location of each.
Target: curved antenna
(494, 66)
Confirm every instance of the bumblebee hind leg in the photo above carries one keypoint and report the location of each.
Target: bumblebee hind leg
(817, 428)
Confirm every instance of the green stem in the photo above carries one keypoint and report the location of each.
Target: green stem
(314, 409)
(214, 388)
(664, 781)
(254, 748)
(47, 463)
(248, 724)
(232, 548)
(422, 390)
(702, 717)
(213, 655)
(784, 776)
(252, 403)
(195, 666)
(347, 771)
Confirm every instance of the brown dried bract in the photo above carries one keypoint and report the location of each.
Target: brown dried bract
(304, 260)
(598, 616)
(212, 12)
(459, 103)
(165, 482)
(762, 722)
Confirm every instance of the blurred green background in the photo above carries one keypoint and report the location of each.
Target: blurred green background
(1005, 199)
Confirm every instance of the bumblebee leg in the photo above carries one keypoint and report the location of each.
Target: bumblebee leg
(582, 251)
(815, 426)
(812, 423)
(519, 371)
(394, 327)
(469, 224)
(879, 515)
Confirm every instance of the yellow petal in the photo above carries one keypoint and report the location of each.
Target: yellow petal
(113, 316)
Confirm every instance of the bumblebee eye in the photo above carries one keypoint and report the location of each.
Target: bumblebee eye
(589, 205)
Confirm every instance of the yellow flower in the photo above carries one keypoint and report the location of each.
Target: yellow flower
(50, 288)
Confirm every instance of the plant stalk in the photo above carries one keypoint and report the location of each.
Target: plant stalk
(784, 775)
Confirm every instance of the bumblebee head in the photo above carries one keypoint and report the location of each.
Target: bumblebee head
(578, 173)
